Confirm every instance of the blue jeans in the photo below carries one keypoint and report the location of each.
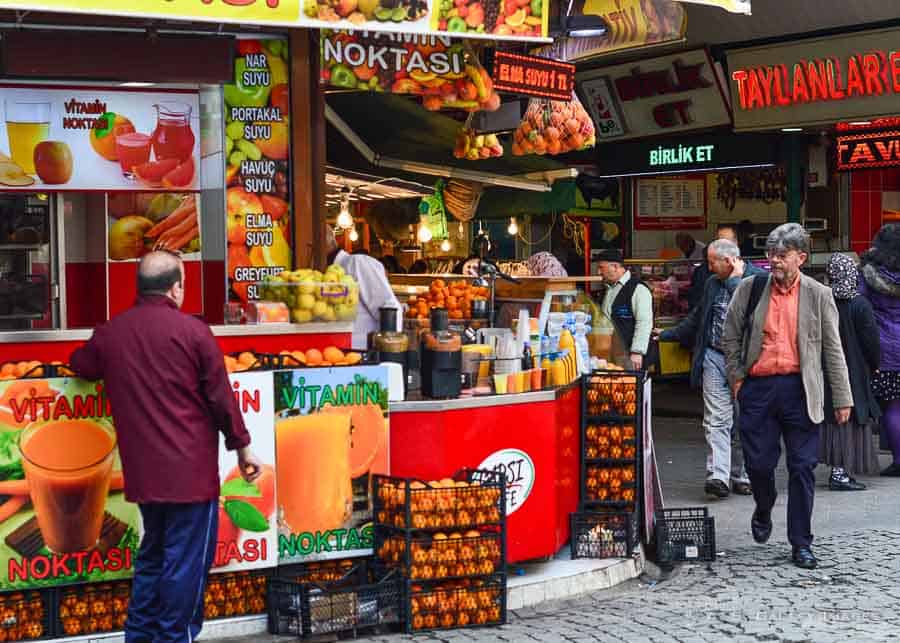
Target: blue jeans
(724, 457)
(170, 572)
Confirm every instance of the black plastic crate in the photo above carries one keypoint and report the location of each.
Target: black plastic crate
(439, 556)
(456, 604)
(357, 570)
(95, 608)
(27, 615)
(315, 609)
(685, 535)
(610, 485)
(470, 499)
(604, 534)
(236, 594)
(612, 394)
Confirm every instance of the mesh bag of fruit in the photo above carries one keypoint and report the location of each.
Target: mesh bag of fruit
(554, 127)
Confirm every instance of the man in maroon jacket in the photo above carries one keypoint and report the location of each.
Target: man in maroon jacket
(170, 396)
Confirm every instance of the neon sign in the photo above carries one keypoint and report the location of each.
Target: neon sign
(875, 149)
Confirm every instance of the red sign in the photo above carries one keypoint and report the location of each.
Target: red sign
(533, 76)
(822, 79)
(875, 149)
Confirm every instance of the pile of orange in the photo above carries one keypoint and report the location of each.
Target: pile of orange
(610, 484)
(330, 356)
(455, 604)
(94, 609)
(439, 504)
(238, 594)
(443, 556)
(31, 368)
(455, 296)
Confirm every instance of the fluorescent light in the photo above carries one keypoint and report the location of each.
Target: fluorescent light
(136, 84)
(860, 123)
(791, 129)
(686, 171)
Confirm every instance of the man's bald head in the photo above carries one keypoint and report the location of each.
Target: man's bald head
(161, 273)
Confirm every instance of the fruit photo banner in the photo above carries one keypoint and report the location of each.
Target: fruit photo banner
(248, 523)
(446, 74)
(98, 138)
(331, 436)
(258, 166)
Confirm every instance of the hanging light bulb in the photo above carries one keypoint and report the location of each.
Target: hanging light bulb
(513, 228)
(460, 230)
(445, 245)
(344, 218)
(424, 233)
(354, 235)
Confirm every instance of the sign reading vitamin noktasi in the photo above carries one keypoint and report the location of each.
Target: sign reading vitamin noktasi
(817, 81)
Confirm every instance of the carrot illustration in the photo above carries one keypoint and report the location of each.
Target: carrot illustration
(9, 508)
(184, 227)
(183, 240)
(178, 215)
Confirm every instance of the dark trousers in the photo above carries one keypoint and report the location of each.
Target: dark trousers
(773, 408)
(170, 572)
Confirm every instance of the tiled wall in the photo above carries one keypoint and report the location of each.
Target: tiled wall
(866, 187)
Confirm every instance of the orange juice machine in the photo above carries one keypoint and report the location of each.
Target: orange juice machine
(441, 358)
(389, 345)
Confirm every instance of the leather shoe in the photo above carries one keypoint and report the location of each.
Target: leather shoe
(892, 471)
(803, 558)
(761, 526)
(716, 489)
(845, 484)
(741, 488)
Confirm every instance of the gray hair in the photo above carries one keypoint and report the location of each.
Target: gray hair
(788, 236)
(725, 248)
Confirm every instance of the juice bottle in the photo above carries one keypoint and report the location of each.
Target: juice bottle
(173, 137)
(68, 464)
(313, 471)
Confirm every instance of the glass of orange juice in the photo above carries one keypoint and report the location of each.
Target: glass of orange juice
(133, 150)
(27, 124)
(312, 455)
(68, 464)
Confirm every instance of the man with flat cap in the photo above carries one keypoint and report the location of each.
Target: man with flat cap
(628, 304)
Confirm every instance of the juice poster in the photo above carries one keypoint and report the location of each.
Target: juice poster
(98, 138)
(143, 221)
(331, 435)
(247, 519)
(258, 168)
(63, 515)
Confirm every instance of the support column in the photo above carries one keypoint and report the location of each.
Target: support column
(796, 176)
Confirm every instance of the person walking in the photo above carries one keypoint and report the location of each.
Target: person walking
(849, 448)
(780, 331)
(170, 397)
(628, 304)
(880, 284)
(701, 332)
(703, 271)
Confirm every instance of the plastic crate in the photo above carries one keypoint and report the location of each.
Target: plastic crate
(456, 604)
(97, 608)
(611, 486)
(27, 615)
(685, 535)
(427, 557)
(603, 535)
(315, 609)
(476, 498)
(612, 394)
(357, 570)
(235, 594)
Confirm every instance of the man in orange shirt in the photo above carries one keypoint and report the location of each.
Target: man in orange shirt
(775, 350)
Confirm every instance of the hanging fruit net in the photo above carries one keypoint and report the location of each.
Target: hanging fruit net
(554, 127)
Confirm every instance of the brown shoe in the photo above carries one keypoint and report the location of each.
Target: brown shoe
(741, 488)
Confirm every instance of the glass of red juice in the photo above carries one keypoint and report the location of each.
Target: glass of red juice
(133, 150)
(173, 137)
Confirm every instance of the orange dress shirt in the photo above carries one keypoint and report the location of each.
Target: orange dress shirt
(779, 354)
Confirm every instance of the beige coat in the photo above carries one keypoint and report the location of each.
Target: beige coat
(818, 342)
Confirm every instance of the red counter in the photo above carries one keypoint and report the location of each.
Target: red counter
(533, 437)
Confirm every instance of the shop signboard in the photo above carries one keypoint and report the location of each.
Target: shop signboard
(631, 24)
(248, 528)
(666, 95)
(514, 21)
(816, 81)
(519, 471)
(670, 203)
(47, 425)
(258, 166)
(98, 138)
(872, 149)
(331, 436)
(532, 76)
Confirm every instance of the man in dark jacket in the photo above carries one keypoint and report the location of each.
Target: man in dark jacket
(701, 331)
(170, 397)
(702, 272)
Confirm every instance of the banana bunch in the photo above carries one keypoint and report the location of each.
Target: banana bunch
(461, 199)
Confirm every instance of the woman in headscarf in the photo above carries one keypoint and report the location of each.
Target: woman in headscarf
(881, 286)
(849, 448)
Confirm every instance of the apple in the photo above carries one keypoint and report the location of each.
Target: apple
(345, 7)
(53, 162)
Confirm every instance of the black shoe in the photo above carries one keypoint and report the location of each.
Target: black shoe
(845, 483)
(803, 558)
(761, 526)
(741, 488)
(892, 471)
(716, 489)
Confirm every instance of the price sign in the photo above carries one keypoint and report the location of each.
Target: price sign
(518, 467)
(533, 76)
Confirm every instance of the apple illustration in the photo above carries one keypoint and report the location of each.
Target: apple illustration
(53, 162)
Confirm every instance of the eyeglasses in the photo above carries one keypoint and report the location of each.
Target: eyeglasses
(780, 255)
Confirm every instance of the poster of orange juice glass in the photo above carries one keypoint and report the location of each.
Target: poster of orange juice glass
(247, 536)
(331, 435)
(98, 138)
(63, 514)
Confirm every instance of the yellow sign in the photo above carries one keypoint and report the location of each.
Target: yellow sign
(242, 11)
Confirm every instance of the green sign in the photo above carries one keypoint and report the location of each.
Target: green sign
(681, 155)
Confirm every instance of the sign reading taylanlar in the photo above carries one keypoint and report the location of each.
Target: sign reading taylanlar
(873, 149)
(533, 76)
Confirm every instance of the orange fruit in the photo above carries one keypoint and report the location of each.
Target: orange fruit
(353, 358)
(105, 144)
(333, 354)
(231, 364)
(300, 356)
(8, 370)
(313, 357)
(368, 438)
(246, 359)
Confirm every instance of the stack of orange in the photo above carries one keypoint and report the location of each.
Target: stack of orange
(455, 296)
(330, 356)
(18, 370)
(241, 363)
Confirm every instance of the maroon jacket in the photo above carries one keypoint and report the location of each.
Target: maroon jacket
(170, 395)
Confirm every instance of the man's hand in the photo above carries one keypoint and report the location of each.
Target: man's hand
(736, 388)
(637, 361)
(842, 415)
(737, 267)
(249, 465)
